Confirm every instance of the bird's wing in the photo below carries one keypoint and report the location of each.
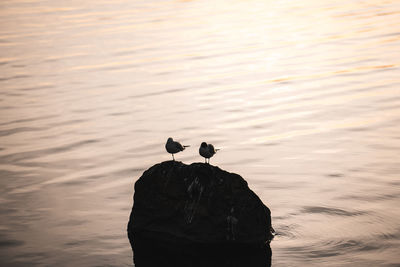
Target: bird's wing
(179, 146)
(211, 148)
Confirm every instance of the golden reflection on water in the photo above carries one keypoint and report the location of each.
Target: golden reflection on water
(302, 97)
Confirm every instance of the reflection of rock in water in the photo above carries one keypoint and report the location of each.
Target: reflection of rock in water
(197, 215)
(153, 253)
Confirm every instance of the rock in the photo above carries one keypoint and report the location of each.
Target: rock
(197, 205)
(152, 253)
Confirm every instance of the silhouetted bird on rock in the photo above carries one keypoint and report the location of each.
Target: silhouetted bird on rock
(174, 147)
(207, 151)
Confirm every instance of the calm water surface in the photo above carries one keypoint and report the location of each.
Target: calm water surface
(302, 97)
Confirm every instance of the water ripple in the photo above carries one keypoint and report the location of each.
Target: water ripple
(331, 211)
(13, 158)
(20, 130)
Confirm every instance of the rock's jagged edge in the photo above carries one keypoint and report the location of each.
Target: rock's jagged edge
(197, 205)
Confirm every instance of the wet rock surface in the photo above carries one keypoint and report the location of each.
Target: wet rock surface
(197, 207)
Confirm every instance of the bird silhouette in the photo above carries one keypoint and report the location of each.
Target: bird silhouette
(207, 151)
(174, 147)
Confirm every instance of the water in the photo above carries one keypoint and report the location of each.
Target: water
(302, 97)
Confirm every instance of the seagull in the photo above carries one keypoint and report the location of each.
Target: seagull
(207, 151)
(174, 147)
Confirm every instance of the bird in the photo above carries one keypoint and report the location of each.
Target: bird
(207, 151)
(174, 147)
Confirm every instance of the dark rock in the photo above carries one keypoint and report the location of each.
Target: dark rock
(197, 207)
(153, 253)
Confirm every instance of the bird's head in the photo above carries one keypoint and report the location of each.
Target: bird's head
(204, 145)
(170, 139)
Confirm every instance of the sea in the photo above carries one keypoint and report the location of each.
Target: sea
(301, 97)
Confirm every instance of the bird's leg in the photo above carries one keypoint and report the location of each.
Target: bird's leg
(173, 157)
(205, 160)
